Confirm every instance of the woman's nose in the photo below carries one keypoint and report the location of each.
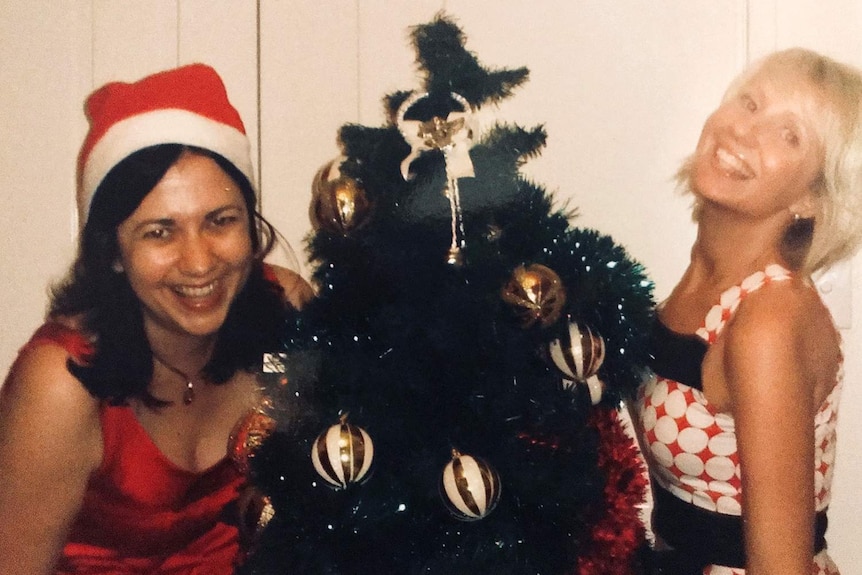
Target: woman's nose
(749, 129)
(196, 256)
(745, 129)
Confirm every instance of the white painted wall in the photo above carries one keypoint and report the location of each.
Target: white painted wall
(622, 88)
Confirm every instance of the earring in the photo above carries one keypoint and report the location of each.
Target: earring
(117, 267)
(796, 217)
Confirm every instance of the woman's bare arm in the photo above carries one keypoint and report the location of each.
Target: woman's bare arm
(50, 443)
(771, 380)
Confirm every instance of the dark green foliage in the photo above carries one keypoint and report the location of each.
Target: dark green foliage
(426, 356)
(449, 67)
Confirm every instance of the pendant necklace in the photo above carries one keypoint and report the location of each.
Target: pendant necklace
(189, 391)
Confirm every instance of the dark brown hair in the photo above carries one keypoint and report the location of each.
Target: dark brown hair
(110, 311)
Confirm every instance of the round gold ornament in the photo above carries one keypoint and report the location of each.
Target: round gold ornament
(249, 434)
(536, 293)
(255, 512)
(470, 487)
(342, 455)
(339, 203)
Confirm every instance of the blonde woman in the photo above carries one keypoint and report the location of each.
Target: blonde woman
(738, 421)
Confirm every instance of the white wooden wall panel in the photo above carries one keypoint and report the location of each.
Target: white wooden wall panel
(308, 89)
(132, 39)
(830, 27)
(845, 511)
(44, 58)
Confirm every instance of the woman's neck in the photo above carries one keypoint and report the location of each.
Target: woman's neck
(178, 364)
(728, 248)
(187, 353)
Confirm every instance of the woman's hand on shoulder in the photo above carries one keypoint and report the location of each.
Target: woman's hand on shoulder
(771, 376)
(50, 443)
(297, 291)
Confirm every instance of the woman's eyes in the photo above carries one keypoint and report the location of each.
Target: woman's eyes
(163, 231)
(788, 133)
(224, 220)
(790, 136)
(159, 233)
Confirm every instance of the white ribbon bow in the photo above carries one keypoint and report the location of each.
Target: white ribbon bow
(453, 135)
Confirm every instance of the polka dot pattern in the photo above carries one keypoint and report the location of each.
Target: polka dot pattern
(691, 447)
(729, 300)
(680, 430)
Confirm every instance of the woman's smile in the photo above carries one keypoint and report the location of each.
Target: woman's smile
(733, 165)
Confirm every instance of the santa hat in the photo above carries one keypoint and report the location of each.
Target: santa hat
(186, 105)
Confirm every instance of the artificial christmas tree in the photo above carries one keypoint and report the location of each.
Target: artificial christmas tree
(449, 401)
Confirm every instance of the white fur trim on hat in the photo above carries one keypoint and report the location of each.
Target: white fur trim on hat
(165, 126)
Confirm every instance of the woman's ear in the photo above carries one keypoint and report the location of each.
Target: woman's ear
(807, 207)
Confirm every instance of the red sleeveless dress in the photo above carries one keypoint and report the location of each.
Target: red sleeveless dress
(141, 513)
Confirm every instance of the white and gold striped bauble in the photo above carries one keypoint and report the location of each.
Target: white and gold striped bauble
(579, 353)
(343, 454)
(470, 487)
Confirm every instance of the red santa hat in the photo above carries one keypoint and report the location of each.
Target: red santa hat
(186, 105)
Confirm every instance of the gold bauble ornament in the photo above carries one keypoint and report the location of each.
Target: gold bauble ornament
(342, 455)
(249, 434)
(339, 203)
(469, 486)
(255, 512)
(536, 294)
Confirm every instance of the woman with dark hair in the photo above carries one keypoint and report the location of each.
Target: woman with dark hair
(116, 416)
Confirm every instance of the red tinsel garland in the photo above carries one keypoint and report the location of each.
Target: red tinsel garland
(618, 531)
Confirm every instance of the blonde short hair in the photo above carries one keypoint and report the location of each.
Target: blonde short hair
(837, 228)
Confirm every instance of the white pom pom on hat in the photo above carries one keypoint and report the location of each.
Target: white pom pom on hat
(186, 105)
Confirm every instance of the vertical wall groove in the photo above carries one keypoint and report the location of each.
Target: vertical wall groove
(743, 54)
(179, 32)
(259, 97)
(358, 61)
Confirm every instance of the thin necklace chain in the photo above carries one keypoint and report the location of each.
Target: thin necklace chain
(189, 391)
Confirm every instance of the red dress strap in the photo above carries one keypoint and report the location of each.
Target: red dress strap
(70, 339)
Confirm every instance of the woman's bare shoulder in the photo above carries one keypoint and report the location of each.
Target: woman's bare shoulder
(784, 334)
(40, 393)
(50, 445)
(790, 308)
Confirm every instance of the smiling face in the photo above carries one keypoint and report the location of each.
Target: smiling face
(186, 249)
(760, 153)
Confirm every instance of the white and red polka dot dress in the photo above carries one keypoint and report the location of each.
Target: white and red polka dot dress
(691, 448)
